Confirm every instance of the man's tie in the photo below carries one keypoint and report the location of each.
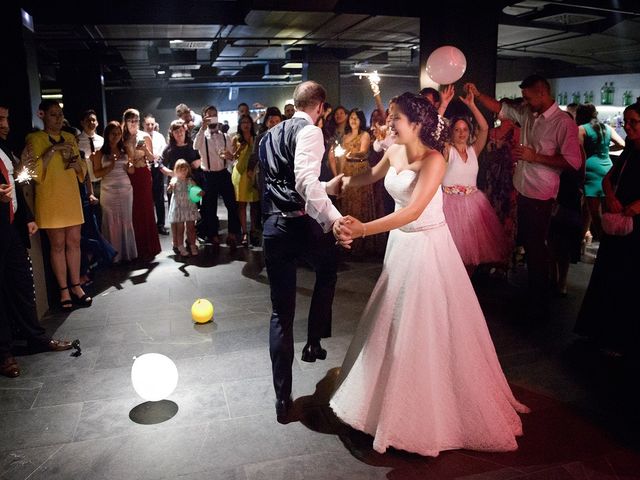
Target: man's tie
(5, 174)
(91, 145)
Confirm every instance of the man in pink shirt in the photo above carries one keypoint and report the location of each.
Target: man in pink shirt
(548, 145)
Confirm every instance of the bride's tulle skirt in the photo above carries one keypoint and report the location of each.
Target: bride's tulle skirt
(421, 373)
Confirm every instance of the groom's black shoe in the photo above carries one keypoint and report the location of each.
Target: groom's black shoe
(283, 410)
(312, 352)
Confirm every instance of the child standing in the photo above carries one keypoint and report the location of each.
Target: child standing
(182, 210)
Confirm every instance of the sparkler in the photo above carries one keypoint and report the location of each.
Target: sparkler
(374, 80)
(24, 176)
(338, 151)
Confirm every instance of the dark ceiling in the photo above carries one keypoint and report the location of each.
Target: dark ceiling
(246, 42)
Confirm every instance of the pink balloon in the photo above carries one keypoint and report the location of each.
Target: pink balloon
(446, 65)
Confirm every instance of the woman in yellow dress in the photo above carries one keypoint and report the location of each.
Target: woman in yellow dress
(243, 179)
(58, 207)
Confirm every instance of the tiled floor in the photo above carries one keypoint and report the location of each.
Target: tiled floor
(71, 417)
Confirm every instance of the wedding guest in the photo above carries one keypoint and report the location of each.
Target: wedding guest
(353, 161)
(89, 142)
(158, 143)
(58, 169)
(595, 137)
(606, 315)
(17, 290)
(497, 167)
(183, 213)
(112, 164)
(214, 148)
(474, 225)
(549, 144)
(243, 180)
(139, 150)
(191, 119)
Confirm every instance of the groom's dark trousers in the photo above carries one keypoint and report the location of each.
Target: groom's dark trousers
(286, 242)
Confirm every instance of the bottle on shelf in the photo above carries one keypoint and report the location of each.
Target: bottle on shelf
(564, 98)
(575, 97)
(603, 94)
(590, 96)
(610, 94)
(585, 96)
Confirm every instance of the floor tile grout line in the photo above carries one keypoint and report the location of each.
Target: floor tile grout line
(35, 399)
(45, 461)
(226, 399)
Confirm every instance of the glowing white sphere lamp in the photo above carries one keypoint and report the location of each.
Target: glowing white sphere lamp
(154, 376)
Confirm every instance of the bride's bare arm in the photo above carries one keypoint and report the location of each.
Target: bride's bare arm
(429, 180)
(378, 171)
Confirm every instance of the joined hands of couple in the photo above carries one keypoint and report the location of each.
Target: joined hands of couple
(347, 228)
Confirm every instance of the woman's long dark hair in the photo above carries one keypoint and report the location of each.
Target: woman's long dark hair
(239, 135)
(587, 113)
(361, 117)
(175, 125)
(434, 132)
(106, 148)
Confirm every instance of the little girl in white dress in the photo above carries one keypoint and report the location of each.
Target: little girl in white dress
(183, 211)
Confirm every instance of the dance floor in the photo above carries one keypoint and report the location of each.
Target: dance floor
(79, 417)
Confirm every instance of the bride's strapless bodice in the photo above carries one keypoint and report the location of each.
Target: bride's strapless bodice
(400, 186)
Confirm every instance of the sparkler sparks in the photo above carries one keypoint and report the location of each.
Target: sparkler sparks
(339, 151)
(24, 176)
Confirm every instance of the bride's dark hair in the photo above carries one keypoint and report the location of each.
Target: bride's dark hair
(434, 132)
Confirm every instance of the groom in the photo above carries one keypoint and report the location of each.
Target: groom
(298, 216)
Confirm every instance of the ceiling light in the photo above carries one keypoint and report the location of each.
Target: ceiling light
(292, 65)
(161, 72)
(181, 75)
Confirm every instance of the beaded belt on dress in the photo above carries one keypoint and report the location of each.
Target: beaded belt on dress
(422, 228)
(460, 189)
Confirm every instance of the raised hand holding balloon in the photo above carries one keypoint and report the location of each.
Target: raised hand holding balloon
(446, 65)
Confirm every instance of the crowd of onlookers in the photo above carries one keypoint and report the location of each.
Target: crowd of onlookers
(536, 181)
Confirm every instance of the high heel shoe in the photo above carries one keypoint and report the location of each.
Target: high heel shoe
(66, 304)
(83, 301)
(245, 240)
(588, 238)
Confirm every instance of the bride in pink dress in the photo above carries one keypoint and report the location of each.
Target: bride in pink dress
(421, 373)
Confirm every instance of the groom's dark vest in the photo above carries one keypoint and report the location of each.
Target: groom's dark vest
(277, 152)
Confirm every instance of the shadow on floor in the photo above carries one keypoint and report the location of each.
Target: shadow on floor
(557, 440)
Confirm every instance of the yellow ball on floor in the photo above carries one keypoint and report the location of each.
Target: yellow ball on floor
(202, 310)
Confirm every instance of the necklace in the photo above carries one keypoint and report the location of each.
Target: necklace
(56, 142)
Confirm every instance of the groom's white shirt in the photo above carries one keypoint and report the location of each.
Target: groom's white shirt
(307, 163)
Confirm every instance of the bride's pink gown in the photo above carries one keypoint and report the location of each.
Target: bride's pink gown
(421, 373)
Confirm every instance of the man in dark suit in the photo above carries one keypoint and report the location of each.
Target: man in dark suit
(298, 216)
(17, 294)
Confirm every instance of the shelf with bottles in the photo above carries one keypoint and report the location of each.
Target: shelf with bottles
(606, 98)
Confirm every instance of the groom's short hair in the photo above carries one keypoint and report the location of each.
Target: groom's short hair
(309, 94)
